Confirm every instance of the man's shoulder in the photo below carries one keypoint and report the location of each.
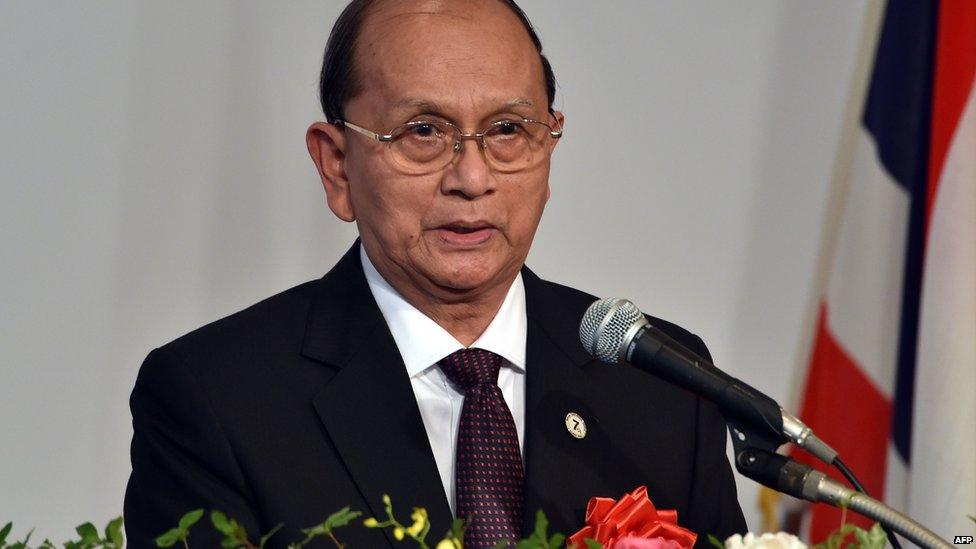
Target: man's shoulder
(268, 326)
(573, 302)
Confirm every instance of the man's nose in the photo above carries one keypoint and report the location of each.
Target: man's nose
(469, 174)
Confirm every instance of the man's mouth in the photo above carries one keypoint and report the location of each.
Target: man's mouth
(465, 235)
(463, 230)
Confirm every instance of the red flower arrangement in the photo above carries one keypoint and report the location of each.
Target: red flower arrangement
(632, 522)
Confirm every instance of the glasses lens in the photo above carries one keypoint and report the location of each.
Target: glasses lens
(516, 144)
(423, 146)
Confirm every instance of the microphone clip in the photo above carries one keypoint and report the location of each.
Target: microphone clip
(756, 458)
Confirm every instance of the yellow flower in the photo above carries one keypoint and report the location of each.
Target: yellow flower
(398, 533)
(386, 499)
(446, 544)
(371, 523)
(419, 517)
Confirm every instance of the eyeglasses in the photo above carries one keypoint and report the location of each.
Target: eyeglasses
(426, 146)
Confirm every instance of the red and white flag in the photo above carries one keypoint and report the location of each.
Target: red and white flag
(892, 377)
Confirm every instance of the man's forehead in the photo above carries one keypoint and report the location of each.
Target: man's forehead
(392, 16)
(432, 105)
(434, 57)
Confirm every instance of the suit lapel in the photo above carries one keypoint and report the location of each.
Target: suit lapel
(369, 408)
(559, 466)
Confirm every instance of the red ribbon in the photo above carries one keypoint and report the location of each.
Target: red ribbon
(632, 515)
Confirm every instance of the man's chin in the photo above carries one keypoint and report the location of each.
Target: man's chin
(470, 280)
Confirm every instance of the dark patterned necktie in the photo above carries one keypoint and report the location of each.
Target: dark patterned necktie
(488, 463)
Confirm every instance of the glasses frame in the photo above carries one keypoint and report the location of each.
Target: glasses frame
(461, 136)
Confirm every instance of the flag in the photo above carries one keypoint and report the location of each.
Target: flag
(892, 378)
(942, 489)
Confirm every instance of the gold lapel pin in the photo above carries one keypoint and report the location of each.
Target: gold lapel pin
(575, 425)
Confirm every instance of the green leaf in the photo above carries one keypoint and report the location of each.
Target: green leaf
(266, 537)
(189, 519)
(234, 533)
(592, 544)
(170, 538)
(22, 544)
(715, 541)
(4, 532)
(231, 543)
(874, 538)
(239, 532)
(556, 541)
(315, 531)
(836, 539)
(88, 533)
(541, 525)
(341, 517)
(221, 523)
(113, 533)
(457, 529)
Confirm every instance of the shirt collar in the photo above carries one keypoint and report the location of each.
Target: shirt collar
(422, 342)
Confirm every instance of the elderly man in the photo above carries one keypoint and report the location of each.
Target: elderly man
(429, 363)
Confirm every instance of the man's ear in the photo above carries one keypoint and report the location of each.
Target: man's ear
(327, 146)
(560, 124)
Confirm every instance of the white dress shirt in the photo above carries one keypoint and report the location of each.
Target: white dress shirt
(422, 343)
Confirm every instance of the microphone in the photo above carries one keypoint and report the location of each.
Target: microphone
(615, 331)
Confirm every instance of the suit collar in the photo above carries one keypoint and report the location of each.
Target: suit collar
(344, 310)
(552, 316)
(368, 408)
(343, 313)
(422, 342)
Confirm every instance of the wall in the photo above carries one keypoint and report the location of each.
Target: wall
(155, 178)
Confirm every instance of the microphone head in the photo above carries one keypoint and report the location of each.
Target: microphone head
(608, 327)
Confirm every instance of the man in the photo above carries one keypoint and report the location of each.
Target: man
(429, 337)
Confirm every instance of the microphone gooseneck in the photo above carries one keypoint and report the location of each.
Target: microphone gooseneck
(804, 482)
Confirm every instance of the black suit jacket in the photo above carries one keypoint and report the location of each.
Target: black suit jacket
(301, 404)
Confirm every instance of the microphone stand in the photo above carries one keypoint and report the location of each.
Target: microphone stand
(756, 458)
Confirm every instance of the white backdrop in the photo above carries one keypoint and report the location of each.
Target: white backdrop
(154, 178)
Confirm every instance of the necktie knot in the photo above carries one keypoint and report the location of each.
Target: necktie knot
(469, 368)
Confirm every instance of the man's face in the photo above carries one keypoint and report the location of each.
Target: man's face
(465, 228)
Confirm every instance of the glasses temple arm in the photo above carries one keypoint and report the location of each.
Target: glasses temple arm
(364, 131)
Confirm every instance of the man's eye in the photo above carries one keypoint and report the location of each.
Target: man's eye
(423, 130)
(508, 127)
